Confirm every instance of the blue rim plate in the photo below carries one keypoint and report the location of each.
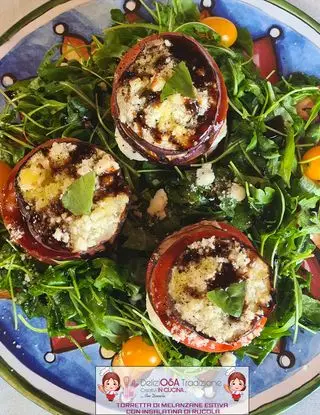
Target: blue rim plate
(63, 381)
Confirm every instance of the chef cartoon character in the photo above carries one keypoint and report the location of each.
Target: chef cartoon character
(236, 385)
(110, 385)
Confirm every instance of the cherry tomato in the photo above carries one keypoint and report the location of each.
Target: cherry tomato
(5, 170)
(226, 29)
(136, 352)
(117, 360)
(312, 168)
(74, 48)
(4, 294)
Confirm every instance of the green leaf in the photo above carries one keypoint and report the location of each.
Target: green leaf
(289, 162)
(244, 40)
(310, 312)
(185, 10)
(309, 186)
(253, 142)
(179, 83)
(109, 275)
(258, 349)
(309, 203)
(227, 205)
(231, 299)
(242, 217)
(313, 134)
(78, 198)
(117, 16)
(263, 196)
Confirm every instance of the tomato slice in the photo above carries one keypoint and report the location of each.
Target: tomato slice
(158, 273)
(5, 171)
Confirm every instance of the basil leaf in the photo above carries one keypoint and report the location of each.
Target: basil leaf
(78, 198)
(179, 83)
(231, 299)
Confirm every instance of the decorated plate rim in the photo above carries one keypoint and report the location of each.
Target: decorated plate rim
(43, 399)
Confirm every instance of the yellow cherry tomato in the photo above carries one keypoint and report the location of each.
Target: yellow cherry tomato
(224, 27)
(311, 163)
(117, 360)
(136, 352)
(5, 170)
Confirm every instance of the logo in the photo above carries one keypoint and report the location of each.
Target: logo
(236, 385)
(117, 388)
(172, 390)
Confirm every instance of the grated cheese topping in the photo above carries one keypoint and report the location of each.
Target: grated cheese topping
(171, 124)
(216, 263)
(205, 175)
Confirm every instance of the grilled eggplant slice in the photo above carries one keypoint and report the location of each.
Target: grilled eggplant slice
(178, 129)
(194, 261)
(33, 210)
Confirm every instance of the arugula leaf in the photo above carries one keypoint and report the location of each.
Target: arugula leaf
(109, 275)
(310, 312)
(242, 217)
(313, 134)
(180, 82)
(10, 154)
(258, 349)
(117, 15)
(185, 10)
(289, 162)
(244, 40)
(78, 198)
(231, 299)
(309, 186)
(228, 205)
(309, 203)
(261, 196)
(253, 142)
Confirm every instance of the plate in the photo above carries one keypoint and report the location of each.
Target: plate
(51, 372)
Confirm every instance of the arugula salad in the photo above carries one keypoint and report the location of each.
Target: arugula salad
(161, 194)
